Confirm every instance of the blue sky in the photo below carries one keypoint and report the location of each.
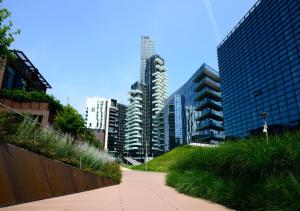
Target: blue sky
(92, 48)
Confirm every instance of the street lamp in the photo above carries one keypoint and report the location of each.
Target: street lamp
(265, 129)
(146, 156)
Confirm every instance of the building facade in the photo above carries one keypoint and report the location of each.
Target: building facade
(157, 85)
(192, 111)
(106, 118)
(259, 64)
(145, 120)
(136, 130)
(18, 73)
(121, 129)
(147, 50)
(112, 127)
(95, 117)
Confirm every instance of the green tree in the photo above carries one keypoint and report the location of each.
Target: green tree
(6, 34)
(68, 120)
(89, 136)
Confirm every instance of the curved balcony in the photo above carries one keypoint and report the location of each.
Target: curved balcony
(210, 124)
(160, 68)
(159, 61)
(207, 92)
(208, 82)
(209, 103)
(209, 113)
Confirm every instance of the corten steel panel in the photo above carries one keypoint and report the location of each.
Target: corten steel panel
(7, 194)
(91, 181)
(58, 176)
(81, 180)
(26, 176)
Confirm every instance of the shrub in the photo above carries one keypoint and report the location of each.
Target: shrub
(31, 96)
(61, 147)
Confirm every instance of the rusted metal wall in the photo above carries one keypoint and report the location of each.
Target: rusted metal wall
(26, 176)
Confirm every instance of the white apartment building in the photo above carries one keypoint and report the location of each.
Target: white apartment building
(95, 116)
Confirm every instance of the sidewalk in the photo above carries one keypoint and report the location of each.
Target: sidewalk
(139, 191)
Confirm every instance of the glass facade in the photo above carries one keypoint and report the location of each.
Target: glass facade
(259, 63)
(183, 113)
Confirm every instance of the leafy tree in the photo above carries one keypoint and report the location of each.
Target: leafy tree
(68, 120)
(6, 35)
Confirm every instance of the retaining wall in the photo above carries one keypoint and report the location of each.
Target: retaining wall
(27, 176)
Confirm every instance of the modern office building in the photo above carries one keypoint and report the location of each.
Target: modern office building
(147, 50)
(104, 117)
(121, 129)
(259, 64)
(193, 113)
(136, 125)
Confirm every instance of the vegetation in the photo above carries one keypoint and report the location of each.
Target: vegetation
(69, 121)
(32, 96)
(248, 175)
(27, 134)
(6, 35)
(163, 162)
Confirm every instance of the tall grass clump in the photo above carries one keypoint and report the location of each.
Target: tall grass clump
(61, 147)
(253, 174)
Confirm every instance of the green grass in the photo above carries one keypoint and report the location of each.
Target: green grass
(28, 135)
(163, 162)
(252, 174)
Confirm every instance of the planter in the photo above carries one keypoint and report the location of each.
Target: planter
(35, 105)
(44, 106)
(6, 102)
(16, 105)
(26, 105)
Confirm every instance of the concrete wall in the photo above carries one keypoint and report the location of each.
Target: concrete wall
(26, 176)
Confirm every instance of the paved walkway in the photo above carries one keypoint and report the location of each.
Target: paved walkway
(139, 191)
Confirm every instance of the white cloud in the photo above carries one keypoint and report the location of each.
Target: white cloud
(209, 10)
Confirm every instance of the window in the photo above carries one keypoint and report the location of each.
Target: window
(10, 78)
(93, 109)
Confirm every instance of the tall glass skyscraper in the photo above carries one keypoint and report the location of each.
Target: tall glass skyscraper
(193, 113)
(259, 63)
(147, 50)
